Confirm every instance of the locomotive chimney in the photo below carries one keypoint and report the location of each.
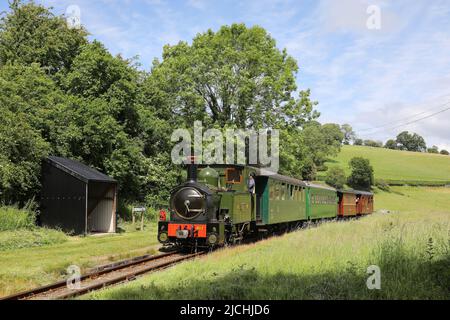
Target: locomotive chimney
(192, 170)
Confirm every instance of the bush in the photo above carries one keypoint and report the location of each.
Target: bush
(336, 177)
(12, 218)
(372, 143)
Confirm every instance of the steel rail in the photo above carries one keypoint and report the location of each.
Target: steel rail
(47, 290)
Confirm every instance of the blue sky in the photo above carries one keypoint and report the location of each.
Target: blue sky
(364, 77)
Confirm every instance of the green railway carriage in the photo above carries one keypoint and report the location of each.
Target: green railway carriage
(322, 202)
(279, 199)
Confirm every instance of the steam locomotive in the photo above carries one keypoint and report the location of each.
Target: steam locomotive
(224, 204)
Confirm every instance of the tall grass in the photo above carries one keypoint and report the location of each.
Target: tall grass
(330, 261)
(12, 218)
(18, 229)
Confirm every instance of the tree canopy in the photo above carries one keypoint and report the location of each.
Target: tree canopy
(64, 95)
(236, 75)
(411, 142)
(361, 176)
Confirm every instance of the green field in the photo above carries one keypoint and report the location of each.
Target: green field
(411, 245)
(398, 167)
(22, 269)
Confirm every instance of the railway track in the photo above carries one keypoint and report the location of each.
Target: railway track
(104, 276)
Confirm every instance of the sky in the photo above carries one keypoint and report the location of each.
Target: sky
(377, 65)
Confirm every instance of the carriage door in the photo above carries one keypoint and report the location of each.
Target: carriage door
(261, 191)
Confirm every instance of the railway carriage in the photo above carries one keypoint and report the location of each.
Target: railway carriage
(215, 206)
(364, 203)
(354, 202)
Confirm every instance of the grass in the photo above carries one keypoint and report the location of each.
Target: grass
(411, 245)
(399, 167)
(23, 269)
(18, 230)
(19, 239)
(12, 218)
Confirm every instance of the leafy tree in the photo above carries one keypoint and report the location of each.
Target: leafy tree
(336, 177)
(445, 152)
(30, 33)
(349, 134)
(236, 75)
(391, 144)
(97, 74)
(361, 176)
(21, 150)
(27, 90)
(333, 137)
(411, 142)
(374, 144)
(358, 142)
(433, 149)
(321, 141)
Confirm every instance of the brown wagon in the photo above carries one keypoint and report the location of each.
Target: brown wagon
(354, 202)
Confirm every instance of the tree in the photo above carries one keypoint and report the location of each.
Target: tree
(358, 142)
(411, 142)
(64, 96)
(236, 75)
(372, 143)
(361, 176)
(21, 150)
(321, 141)
(391, 144)
(336, 177)
(349, 134)
(433, 149)
(444, 152)
(30, 33)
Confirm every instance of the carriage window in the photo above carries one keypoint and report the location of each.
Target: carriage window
(283, 191)
(233, 175)
(291, 192)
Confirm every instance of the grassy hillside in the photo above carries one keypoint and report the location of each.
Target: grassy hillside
(411, 247)
(398, 166)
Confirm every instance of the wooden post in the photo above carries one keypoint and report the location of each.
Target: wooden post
(140, 210)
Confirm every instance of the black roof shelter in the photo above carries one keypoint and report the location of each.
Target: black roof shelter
(77, 198)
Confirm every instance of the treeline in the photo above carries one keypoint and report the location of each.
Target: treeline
(64, 95)
(404, 141)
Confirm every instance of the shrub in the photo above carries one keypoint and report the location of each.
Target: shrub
(336, 177)
(372, 143)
